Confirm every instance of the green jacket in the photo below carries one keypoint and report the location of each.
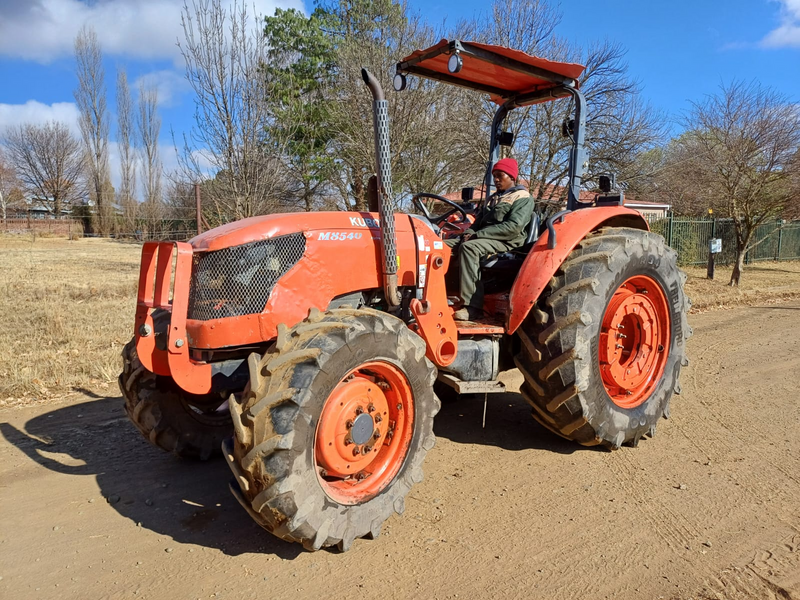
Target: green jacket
(507, 219)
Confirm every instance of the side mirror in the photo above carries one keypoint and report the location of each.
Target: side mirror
(505, 138)
(467, 194)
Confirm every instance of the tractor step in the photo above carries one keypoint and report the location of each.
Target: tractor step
(471, 387)
(487, 326)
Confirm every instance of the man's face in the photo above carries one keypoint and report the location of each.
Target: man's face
(502, 181)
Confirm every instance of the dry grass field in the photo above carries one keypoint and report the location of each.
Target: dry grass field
(66, 310)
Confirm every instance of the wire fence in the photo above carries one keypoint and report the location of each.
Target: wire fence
(59, 227)
(690, 237)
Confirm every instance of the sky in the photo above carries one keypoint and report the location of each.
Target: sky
(679, 51)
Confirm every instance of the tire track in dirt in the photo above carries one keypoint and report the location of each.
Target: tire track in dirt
(772, 574)
(677, 531)
(719, 449)
(719, 439)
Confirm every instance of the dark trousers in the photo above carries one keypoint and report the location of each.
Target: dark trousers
(469, 255)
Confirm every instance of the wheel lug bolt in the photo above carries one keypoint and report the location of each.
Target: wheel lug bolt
(356, 451)
(361, 476)
(371, 408)
(383, 385)
(323, 473)
(399, 406)
(349, 424)
(378, 418)
(359, 410)
(367, 449)
(347, 441)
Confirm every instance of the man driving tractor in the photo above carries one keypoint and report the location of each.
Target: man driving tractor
(500, 226)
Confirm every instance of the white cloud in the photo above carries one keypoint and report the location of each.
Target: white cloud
(43, 30)
(787, 35)
(39, 113)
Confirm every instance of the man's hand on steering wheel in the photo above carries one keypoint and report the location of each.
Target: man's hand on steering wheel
(441, 220)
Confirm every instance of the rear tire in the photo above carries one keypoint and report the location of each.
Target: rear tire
(295, 463)
(189, 426)
(602, 350)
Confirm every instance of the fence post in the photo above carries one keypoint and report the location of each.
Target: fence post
(780, 236)
(669, 229)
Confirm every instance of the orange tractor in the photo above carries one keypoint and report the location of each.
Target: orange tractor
(307, 345)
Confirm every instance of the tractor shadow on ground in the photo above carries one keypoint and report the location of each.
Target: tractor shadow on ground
(509, 424)
(185, 500)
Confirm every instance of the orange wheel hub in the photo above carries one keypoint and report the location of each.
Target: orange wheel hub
(634, 341)
(364, 432)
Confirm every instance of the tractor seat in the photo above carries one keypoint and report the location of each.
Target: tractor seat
(513, 258)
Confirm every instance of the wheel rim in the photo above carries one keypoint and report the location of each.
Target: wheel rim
(364, 432)
(634, 341)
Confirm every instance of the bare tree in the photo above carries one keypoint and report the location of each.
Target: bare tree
(10, 187)
(224, 52)
(424, 126)
(126, 135)
(619, 125)
(49, 162)
(149, 127)
(739, 152)
(90, 96)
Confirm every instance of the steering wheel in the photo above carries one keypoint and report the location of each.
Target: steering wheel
(441, 220)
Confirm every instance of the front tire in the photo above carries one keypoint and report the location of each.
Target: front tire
(333, 427)
(186, 425)
(602, 350)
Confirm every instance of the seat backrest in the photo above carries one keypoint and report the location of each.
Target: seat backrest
(533, 229)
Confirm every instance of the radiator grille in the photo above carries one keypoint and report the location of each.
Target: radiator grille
(238, 281)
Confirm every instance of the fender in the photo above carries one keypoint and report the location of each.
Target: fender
(542, 263)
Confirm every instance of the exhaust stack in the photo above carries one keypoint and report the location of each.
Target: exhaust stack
(380, 116)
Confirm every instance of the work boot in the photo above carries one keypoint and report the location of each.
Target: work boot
(467, 314)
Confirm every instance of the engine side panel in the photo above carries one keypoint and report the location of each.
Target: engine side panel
(542, 263)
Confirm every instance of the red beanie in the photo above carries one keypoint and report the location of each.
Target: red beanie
(508, 166)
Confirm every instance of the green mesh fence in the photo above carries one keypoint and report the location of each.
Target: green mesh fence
(690, 237)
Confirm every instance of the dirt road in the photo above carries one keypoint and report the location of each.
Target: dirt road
(710, 508)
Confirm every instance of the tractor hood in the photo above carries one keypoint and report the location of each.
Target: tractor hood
(255, 229)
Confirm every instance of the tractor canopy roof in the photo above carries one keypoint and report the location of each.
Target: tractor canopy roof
(503, 73)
